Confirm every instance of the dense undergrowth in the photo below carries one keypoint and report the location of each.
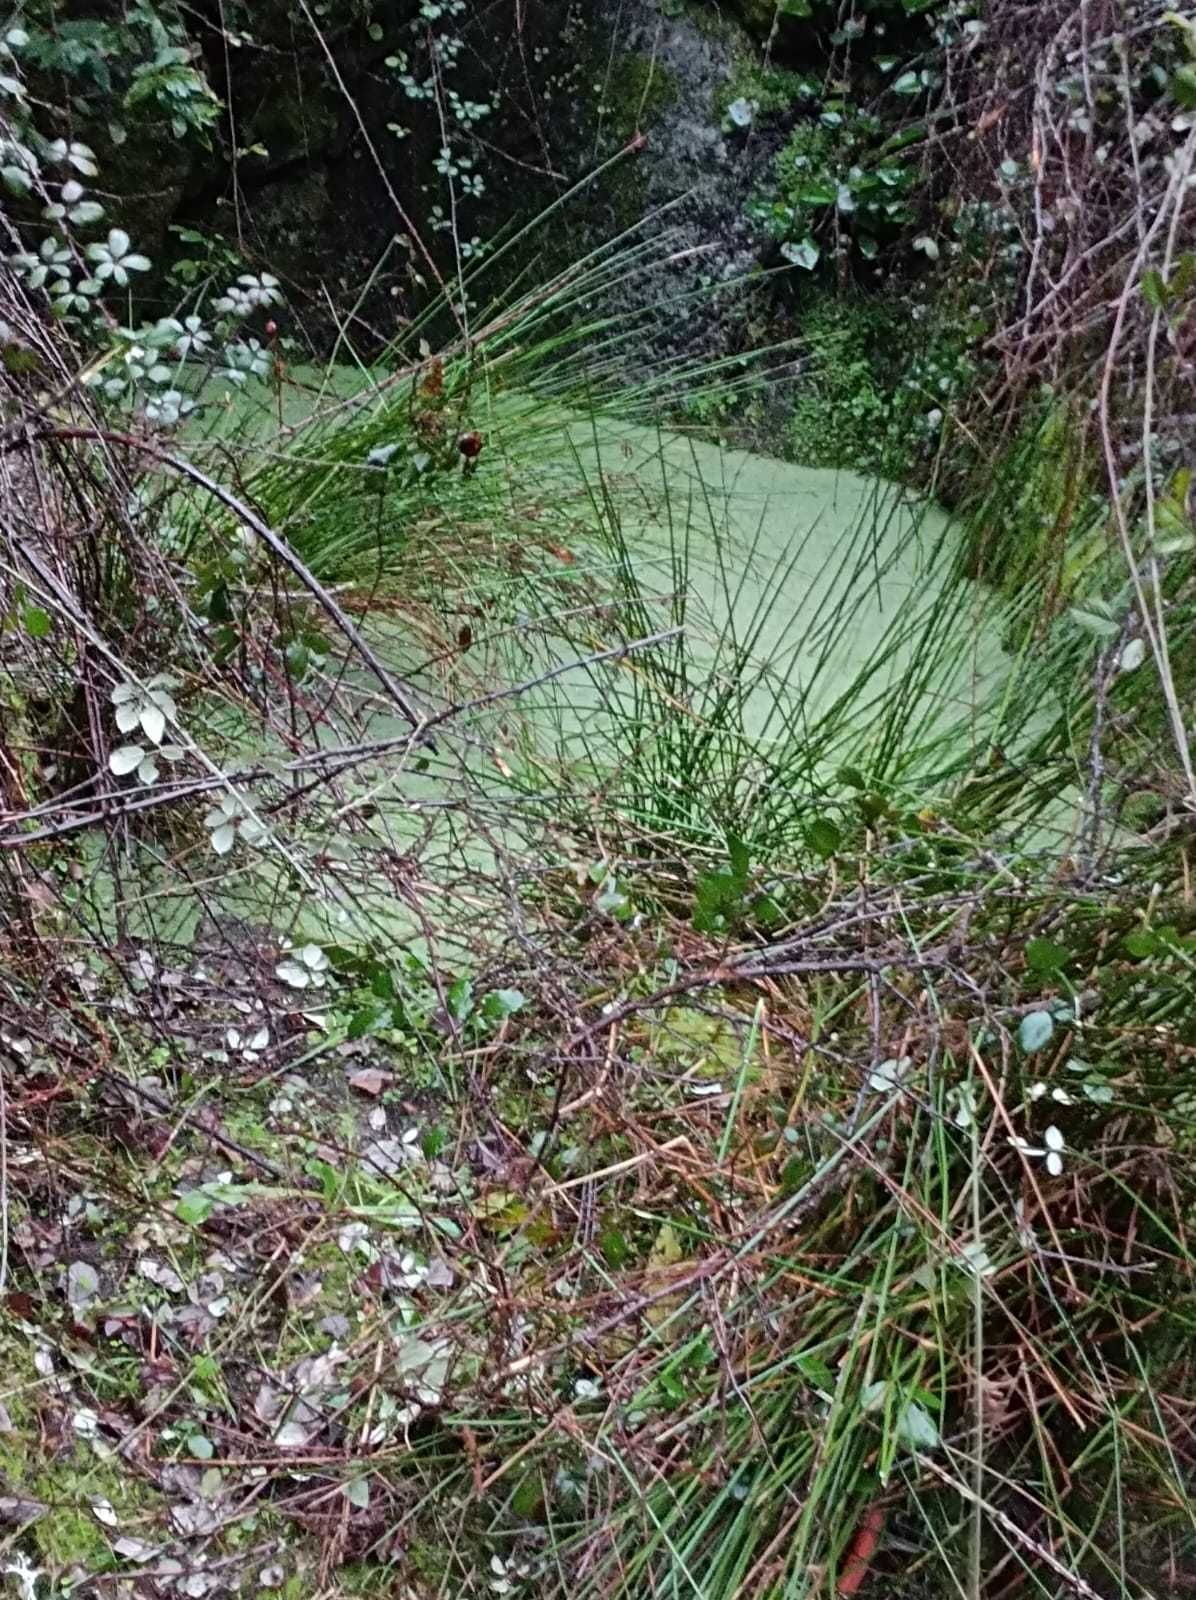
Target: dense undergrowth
(557, 1040)
(702, 1151)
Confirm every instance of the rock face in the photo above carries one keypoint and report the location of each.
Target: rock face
(335, 177)
(393, 148)
(761, 16)
(692, 180)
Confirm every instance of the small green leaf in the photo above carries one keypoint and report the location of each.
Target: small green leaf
(874, 1395)
(502, 1003)
(357, 1493)
(1132, 656)
(672, 1387)
(803, 253)
(916, 1428)
(767, 911)
(1044, 955)
(195, 1208)
(219, 605)
(16, 180)
(298, 658)
(368, 1019)
(224, 643)
(37, 622)
(717, 902)
(823, 837)
(528, 1497)
(816, 1370)
(126, 758)
(82, 1284)
(614, 1246)
(328, 1177)
(1142, 943)
(1035, 1031)
(1154, 290)
(460, 999)
(873, 806)
(1096, 622)
(1183, 86)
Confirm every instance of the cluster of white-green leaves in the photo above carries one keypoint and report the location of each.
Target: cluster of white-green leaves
(87, 267)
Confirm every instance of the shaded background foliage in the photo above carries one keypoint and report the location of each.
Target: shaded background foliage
(976, 166)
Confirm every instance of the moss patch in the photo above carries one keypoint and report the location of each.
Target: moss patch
(841, 414)
(635, 93)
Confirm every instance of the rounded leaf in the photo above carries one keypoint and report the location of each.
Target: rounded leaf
(82, 1284)
(153, 723)
(126, 758)
(805, 253)
(824, 837)
(916, 1427)
(1044, 955)
(1132, 656)
(223, 838)
(502, 1003)
(1035, 1031)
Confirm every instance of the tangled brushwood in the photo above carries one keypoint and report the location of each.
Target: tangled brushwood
(406, 1184)
(506, 1086)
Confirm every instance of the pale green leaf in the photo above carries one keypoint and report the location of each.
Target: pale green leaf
(1035, 1031)
(126, 758)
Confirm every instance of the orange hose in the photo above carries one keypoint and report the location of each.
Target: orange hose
(858, 1561)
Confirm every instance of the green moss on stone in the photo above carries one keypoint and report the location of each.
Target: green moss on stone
(637, 91)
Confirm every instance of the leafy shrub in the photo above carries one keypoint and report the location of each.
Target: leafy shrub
(144, 65)
(834, 23)
(841, 416)
(834, 190)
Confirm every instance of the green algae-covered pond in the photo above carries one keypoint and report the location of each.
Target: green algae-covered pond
(803, 619)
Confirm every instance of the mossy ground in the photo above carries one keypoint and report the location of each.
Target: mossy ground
(287, 1318)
